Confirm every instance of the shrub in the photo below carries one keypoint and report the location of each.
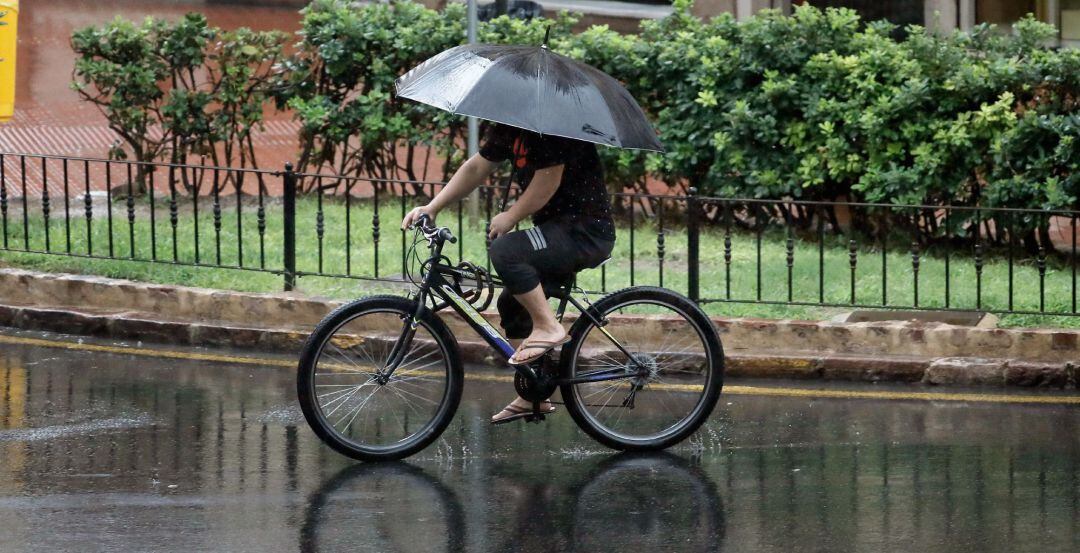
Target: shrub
(816, 105)
(119, 69)
(177, 89)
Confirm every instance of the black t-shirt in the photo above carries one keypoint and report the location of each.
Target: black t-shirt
(581, 195)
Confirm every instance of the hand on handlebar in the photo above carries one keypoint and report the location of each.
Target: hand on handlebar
(420, 217)
(413, 217)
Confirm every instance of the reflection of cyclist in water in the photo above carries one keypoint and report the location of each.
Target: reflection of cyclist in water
(563, 191)
(629, 502)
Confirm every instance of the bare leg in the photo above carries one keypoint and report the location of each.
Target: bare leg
(519, 402)
(548, 328)
(544, 326)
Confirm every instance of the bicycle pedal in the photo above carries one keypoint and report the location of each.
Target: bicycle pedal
(538, 418)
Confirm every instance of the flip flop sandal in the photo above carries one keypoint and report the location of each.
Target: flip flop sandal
(519, 412)
(543, 345)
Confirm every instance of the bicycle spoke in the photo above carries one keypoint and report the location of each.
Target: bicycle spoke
(342, 399)
(417, 396)
(355, 404)
(667, 373)
(337, 392)
(359, 406)
(408, 403)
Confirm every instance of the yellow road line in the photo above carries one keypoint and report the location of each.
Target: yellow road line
(144, 352)
(730, 390)
(919, 396)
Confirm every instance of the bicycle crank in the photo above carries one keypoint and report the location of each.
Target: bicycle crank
(536, 389)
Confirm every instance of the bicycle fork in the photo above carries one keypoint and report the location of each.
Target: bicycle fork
(401, 347)
(405, 338)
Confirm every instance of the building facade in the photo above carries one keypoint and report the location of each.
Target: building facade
(942, 15)
(936, 14)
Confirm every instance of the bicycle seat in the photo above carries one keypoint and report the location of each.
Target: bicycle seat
(558, 285)
(597, 266)
(561, 285)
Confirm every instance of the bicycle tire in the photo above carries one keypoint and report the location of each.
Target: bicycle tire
(446, 344)
(577, 406)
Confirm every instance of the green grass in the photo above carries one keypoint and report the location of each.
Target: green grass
(835, 288)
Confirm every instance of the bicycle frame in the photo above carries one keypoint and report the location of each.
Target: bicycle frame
(436, 284)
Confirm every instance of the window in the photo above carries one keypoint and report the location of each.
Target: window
(900, 12)
(1003, 12)
(1070, 19)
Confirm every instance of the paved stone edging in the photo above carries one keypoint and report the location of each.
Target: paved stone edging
(851, 367)
(879, 351)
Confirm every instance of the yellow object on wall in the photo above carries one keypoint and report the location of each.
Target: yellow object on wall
(9, 29)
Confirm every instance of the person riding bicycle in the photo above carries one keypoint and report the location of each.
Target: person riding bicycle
(562, 183)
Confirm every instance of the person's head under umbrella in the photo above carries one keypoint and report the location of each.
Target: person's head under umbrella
(562, 190)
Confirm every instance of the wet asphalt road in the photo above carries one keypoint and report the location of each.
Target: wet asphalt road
(105, 451)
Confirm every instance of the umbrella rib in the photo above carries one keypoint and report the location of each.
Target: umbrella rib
(423, 84)
(539, 106)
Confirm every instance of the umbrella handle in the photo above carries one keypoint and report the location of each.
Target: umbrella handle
(506, 189)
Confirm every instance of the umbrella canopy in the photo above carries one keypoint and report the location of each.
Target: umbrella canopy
(533, 88)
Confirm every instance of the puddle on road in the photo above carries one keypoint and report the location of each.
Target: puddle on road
(282, 415)
(138, 451)
(76, 429)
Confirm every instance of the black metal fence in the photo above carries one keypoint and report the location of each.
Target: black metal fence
(780, 252)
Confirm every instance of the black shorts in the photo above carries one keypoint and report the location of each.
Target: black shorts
(551, 254)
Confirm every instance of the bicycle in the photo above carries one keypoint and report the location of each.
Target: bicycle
(380, 378)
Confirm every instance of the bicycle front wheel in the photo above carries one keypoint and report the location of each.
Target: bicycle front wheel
(353, 406)
(658, 367)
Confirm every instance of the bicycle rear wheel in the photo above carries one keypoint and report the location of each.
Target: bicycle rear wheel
(347, 402)
(668, 359)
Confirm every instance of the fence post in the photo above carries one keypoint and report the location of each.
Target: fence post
(289, 227)
(693, 245)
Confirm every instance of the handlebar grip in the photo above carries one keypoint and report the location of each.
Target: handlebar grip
(425, 223)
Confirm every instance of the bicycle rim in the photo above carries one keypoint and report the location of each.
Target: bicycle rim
(640, 409)
(355, 407)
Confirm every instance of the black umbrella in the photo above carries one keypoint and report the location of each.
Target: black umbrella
(533, 88)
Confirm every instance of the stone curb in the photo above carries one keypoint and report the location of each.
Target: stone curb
(846, 367)
(295, 311)
(934, 353)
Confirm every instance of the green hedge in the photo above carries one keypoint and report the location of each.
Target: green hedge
(819, 106)
(816, 105)
(178, 90)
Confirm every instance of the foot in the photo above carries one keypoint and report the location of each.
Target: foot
(520, 408)
(538, 343)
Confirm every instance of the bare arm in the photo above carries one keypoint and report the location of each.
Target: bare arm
(542, 187)
(470, 175)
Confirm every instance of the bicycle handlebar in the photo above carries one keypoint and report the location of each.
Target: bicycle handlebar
(431, 231)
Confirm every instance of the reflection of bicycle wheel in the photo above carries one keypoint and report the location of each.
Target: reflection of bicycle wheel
(388, 507)
(648, 502)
